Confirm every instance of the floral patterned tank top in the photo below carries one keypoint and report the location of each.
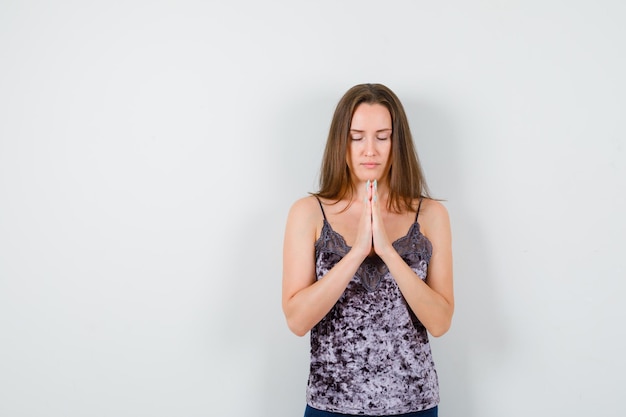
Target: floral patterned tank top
(370, 354)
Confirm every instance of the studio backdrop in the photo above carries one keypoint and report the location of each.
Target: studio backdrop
(150, 151)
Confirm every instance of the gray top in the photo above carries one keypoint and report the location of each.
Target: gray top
(370, 354)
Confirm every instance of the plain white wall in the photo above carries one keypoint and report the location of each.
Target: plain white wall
(150, 150)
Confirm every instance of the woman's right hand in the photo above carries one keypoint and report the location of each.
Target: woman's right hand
(307, 298)
(363, 244)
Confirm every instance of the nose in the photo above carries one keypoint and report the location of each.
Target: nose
(369, 147)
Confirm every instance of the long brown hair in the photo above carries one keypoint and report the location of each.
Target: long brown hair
(406, 180)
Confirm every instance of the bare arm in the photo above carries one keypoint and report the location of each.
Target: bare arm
(432, 301)
(306, 300)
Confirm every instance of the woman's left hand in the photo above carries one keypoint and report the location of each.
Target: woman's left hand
(431, 300)
(380, 240)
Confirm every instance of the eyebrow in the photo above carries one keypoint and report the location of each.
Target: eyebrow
(361, 131)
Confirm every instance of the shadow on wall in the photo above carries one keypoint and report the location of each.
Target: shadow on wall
(258, 365)
(301, 130)
(477, 332)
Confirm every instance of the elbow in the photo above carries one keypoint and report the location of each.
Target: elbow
(296, 326)
(295, 322)
(299, 332)
(440, 329)
(442, 325)
(297, 329)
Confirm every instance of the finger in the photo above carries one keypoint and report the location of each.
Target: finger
(375, 191)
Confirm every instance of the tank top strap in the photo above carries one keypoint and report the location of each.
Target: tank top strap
(321, 207)
(417, 213)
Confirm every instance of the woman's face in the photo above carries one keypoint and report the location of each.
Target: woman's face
(369, 144)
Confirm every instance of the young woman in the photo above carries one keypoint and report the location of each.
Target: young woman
(367, 267)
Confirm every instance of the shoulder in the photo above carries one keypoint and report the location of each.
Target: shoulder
(433, 217)
(308, 205)
(304, 221)
(433, 208)
(306, 210)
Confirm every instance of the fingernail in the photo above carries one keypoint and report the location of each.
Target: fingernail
(375, 198)
(376, 185)
(367, 184)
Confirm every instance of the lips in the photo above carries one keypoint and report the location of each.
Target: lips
(370, 164)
